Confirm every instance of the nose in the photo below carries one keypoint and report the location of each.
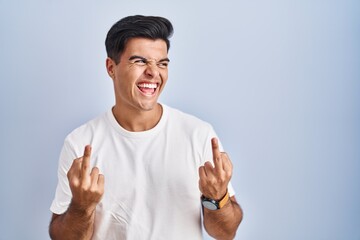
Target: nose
(152, 70)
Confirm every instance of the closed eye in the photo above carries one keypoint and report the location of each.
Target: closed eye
(138, 60)
(141, 61)
(163, 64)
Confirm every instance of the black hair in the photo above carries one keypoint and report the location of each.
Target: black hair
(150, 27)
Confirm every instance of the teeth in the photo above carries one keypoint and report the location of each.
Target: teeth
(147, 85)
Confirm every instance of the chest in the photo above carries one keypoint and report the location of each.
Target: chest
(152, 171)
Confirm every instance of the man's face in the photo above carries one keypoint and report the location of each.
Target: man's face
(140, 75)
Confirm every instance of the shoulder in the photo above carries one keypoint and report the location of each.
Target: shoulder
(187, 123)
(88, 129)
(181, 117)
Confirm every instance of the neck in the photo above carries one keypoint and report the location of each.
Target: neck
(137, 121)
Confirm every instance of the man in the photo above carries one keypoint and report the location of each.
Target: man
(145, 168)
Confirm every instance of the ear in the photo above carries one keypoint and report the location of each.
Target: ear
(110, 67)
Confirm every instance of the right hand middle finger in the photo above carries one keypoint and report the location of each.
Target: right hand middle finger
(85, 166)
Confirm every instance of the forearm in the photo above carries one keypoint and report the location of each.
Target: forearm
(74, 224)
(223, 223)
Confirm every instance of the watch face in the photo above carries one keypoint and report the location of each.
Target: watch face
(209, 205)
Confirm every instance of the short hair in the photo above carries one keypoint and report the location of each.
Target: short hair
(151, 27)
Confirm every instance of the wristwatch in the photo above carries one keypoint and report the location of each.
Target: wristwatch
(213, 204)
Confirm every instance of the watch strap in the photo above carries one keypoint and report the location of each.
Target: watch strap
(224, 200)
(213, 204)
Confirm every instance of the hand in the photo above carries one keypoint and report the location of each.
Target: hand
(87, 187)
(214, 180)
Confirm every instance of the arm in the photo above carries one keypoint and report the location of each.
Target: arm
(221, 223)
(73, 224)
(87, 189)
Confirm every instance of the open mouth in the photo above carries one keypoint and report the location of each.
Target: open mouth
(147, 88)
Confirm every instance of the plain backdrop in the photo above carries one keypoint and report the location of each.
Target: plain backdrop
(279, 81)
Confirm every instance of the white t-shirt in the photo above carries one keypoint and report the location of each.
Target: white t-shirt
(151, 177)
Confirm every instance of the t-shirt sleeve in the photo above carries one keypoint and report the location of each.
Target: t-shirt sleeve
(209, 157)
(63, 193)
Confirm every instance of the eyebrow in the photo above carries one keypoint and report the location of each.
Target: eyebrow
(142, 58)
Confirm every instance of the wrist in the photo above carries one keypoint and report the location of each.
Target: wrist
(213, 204)
(80, 210)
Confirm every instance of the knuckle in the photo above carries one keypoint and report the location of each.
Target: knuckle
(202, 181)
(102, 178)
(93, 191)
(97, 192)
(208, 164)
(212, 181)
(101, 190)
(222, 179)
(77, 161)
(84, 188)
(95, 171)
(75, 183)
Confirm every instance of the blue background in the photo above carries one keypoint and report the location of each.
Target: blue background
(279, 80)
